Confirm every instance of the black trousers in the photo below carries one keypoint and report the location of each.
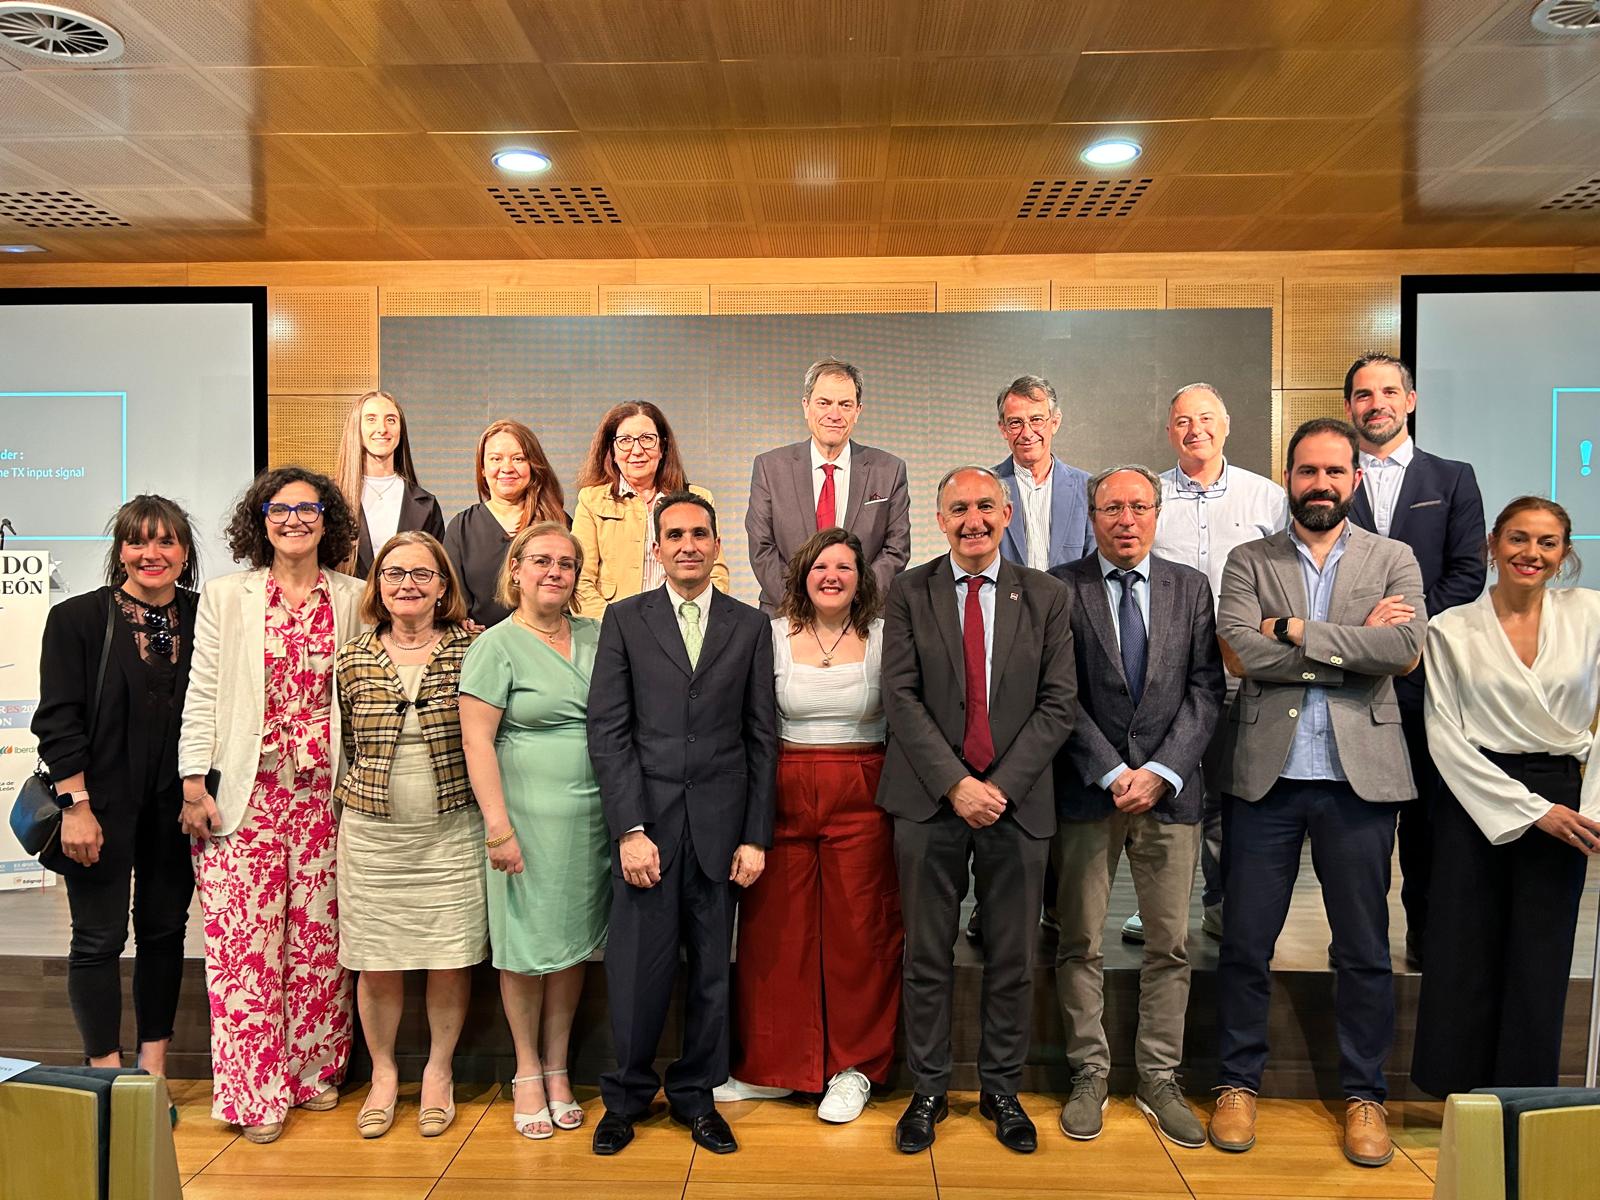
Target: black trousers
(155, 869)
(1495, 987)
(1414, 833)
(1008, 865)
(647, 926)
(1351, 843)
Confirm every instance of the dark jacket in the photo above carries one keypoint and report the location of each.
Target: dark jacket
(419, 510)
(118, 764)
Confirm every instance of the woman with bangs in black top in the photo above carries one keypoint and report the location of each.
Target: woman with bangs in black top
(110, 742)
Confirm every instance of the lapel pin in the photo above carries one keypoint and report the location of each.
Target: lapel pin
(1014, 596)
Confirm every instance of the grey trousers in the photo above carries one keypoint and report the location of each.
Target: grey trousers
(1008, 865)
(1162, 859)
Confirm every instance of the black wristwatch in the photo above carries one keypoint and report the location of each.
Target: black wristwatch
(1280, 630)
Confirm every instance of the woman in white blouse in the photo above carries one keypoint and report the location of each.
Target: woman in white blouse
(1513, 687)
(817, 983)
(379, 480)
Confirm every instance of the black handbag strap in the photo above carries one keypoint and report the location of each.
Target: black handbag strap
(100, 671)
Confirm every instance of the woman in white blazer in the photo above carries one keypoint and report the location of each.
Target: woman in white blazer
(259, 755)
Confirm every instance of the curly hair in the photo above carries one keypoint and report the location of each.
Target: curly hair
(247, 527)
(797, 606)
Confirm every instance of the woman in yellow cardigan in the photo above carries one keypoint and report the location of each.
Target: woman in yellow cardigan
(632, 462)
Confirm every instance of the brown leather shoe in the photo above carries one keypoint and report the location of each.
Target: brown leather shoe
(1233, 1121)
(1366, 1134)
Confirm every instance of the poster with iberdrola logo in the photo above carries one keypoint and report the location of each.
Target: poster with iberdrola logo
(24, 605)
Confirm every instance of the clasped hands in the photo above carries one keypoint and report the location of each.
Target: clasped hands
(977, 801)
(641, 861)
(1137, 790)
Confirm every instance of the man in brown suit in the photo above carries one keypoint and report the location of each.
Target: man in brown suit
(979, 686)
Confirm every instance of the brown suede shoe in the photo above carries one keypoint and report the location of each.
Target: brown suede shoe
(1366, 1134)
(1233, 1121)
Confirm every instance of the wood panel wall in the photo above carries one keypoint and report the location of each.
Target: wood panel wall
(1327, 306)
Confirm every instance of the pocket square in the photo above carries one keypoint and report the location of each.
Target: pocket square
(1426, 503)
(874, 499)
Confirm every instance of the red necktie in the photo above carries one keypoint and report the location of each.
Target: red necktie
(825, 514)
(977, 743)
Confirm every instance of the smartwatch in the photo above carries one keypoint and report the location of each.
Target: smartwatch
(1280, 630)
(65, 800)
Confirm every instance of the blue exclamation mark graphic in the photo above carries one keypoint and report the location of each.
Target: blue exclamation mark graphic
(1585, 453)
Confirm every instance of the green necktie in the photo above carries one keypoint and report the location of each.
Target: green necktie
(690, 612)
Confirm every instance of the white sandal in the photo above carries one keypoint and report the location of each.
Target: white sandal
(527, 1123)
(568, 1115)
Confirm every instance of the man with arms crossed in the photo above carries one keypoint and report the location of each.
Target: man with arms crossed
(978, 688)
(824, 481)
(1149, 694)
(1433, 505)
(684, 740)
(1316, 621)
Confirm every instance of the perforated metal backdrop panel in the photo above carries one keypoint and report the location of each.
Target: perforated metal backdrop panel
(731, 387)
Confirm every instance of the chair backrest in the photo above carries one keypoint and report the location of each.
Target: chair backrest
(144, 1161)
(1471, 1150)
(50, 1135)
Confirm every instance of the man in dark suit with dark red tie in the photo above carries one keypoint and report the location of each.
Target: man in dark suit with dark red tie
(1433, 505)
(979, 686)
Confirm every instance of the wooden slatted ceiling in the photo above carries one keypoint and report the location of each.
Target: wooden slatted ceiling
(258, 128)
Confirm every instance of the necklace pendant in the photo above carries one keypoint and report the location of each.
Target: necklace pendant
(827, 660)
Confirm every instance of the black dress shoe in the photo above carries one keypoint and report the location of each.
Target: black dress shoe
(708, 1130)
(612, 1134)
(1011, 1125)
(913, 1133)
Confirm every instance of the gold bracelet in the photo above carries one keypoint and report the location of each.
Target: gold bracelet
(499, 841)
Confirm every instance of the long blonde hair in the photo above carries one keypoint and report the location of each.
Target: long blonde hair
(350, 470)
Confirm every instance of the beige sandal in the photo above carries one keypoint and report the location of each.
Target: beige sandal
(262, 1134)
(324, 1101)
(527, 1124)
(567, 1114)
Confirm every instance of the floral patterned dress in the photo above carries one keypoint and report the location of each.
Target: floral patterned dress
(280, 1002)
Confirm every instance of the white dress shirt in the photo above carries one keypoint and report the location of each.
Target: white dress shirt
(841, 479)
(1481, 695)
(381, 498)
(1199, 526)
(1382, 477)
(985, 604)
(1141, 597)
(1036, 514)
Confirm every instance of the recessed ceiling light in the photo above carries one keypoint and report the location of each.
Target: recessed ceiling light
(1111, 154)
(22, 248)
(521, 162)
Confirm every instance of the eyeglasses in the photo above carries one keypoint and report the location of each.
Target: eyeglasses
(421, 576)
(309, 512)
(1015, 425)
(158, 632)
(542, 562)
(1116, 509)
(645, 441)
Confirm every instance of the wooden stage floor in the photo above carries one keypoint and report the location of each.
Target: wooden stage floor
(786, 1152)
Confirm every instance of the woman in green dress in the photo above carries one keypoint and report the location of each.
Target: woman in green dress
(524, 701)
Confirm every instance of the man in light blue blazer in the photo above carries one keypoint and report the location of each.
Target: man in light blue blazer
(1049, 504)
(1050, 499)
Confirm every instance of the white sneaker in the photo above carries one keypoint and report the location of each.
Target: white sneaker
(736, 1090)
(1133, 930)
(847, 1096)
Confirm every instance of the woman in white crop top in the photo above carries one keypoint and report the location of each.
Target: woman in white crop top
(1513, 686)
(817, 984)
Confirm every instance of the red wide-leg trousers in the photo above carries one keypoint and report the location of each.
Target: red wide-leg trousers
(817, 984)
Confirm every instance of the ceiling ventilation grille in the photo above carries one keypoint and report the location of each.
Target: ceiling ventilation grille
(557, 205)
(56, 210)
(1081, 198)
(1567, 16)
(49, 31)
(1581, 198)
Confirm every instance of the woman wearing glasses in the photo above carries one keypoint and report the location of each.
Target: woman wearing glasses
(411, 839)
(379, 480)
(258, 755)
(633, 461)
(516, 488)
(110, 737)
(524, 707)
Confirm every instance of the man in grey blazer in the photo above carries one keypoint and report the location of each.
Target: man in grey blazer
(978, 688)
(1150, 690)
(1317, 621)
(824, 481)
